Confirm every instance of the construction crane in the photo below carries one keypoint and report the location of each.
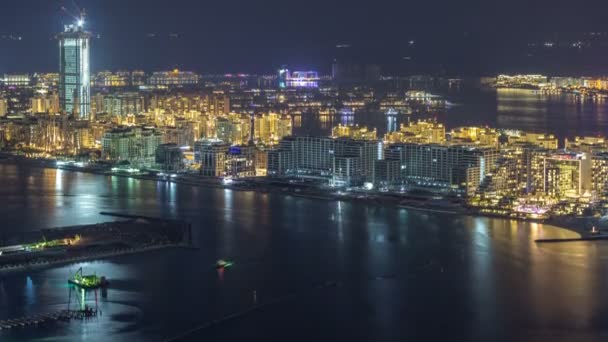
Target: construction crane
(80, 18)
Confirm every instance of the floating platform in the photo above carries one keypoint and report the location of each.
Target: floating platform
(87, 282)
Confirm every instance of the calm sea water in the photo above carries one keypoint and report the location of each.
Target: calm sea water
(401, 274)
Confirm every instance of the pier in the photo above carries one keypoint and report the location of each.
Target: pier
(44, 319)
(42, 264)
(64, 245)
(141, 217)
(581, 239)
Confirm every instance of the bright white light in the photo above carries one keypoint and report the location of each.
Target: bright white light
(80, 22)
(227, 181)
(368, 186)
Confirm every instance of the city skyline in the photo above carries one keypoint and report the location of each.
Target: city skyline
(303, 171)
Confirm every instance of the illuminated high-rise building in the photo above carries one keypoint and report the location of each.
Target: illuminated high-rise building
(420, 132)
(270, 128)
(565, 174)
(478, 136)
(298, 79)
(548, 141)
(74, 70)
(354, 132)
(3, 107)
(48, 103)
(17, 80)
(175, 78)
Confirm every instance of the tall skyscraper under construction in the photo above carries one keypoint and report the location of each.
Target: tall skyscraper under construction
(74, 70)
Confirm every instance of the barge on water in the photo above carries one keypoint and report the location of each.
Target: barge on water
(88, 282)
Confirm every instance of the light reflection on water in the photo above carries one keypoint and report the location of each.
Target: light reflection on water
(401, 272)
(564, 115)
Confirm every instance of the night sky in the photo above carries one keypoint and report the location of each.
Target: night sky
(255, 36)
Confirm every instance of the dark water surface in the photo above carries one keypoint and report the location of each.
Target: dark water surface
(564, 115)
(400, 274)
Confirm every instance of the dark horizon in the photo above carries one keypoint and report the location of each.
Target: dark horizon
(437, 37)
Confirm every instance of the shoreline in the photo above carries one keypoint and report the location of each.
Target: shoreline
(277, 187)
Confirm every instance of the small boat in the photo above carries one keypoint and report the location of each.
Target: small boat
(220, 264)
(88, 282)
